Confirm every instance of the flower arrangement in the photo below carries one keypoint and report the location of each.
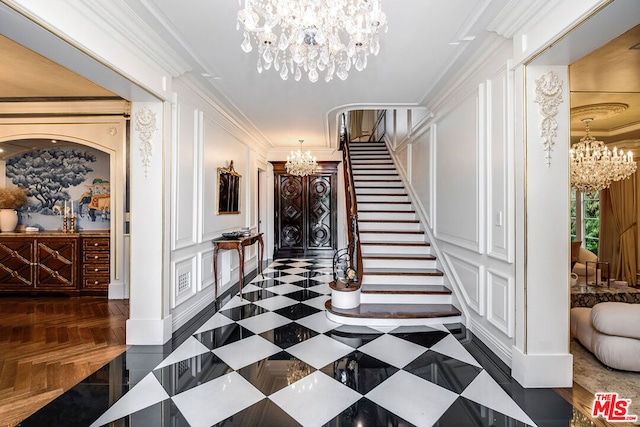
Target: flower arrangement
(12, 198)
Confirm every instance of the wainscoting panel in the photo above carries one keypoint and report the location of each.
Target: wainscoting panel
(499, 165)
(184, 177)
(184, 280)
(470, 279)
(421, 171)
(206, 269)
(459, 153)
(219, 148)
(500, 302)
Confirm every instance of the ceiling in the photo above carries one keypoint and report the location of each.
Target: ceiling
(282, 112)
(605, 86)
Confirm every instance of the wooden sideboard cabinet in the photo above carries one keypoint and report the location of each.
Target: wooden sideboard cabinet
(75, 263)
(95, 263)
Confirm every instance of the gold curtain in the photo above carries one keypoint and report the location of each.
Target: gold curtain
(355, 117)
(618, 229)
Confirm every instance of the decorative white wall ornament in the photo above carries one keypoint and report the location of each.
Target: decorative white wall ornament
(146, 126)
(112, 131)
(549, 96)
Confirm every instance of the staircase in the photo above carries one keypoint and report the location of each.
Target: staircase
(401, 284)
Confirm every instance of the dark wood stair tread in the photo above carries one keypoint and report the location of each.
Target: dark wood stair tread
(406, 289)
(383, 203)
(390, 232)
(402, 272)
(409, 221)
(396, 311)
(381, 211)
(400, 257)
(395, 244)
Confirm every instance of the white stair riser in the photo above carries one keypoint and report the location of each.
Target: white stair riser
(405, 207)
(360, 321)
(401, 280)
(387, 190)
(398, 263)
(372, 162)
(370, 171)
(367, 147)
(395, 250)
(367, 298)
(365, 183)
(390, 237)
(388, 226)
(375, 175)
(386, 215)
(386, 198)
(368, 157)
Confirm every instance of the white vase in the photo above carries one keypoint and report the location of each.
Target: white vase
(8, 219)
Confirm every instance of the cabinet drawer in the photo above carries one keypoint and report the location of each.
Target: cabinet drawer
(96, 257)
(95, 243)
(100, 281)
(93, 269)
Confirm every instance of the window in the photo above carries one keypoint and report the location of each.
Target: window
(585, 219)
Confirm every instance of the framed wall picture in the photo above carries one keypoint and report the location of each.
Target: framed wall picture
(228, 190)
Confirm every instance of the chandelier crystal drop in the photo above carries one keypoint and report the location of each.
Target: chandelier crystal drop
(301, 164)
(594, 167)
(312, 36)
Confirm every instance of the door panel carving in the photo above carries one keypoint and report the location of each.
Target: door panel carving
(305, 217)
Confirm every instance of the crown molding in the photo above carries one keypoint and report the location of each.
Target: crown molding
(516, 15)
(229, 116)
(115, 16)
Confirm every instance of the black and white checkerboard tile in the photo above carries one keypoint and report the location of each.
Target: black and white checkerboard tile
(272, 358)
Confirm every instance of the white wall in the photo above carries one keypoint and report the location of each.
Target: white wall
(202, 141)
(458, 162)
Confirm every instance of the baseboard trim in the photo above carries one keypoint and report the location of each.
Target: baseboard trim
(500, 349)
(149, 331)
(117, 290)
(542, 370)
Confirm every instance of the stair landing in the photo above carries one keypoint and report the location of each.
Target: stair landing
(394, 314)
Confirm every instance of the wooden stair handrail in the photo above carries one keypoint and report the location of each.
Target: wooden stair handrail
(352, 207)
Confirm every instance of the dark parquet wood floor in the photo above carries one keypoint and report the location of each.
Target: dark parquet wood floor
(49, 344)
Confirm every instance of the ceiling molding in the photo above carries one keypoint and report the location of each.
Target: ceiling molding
(493, 47)
(598, 111)
(238, 125)
(65, 107)
(116, 14)
(516, 15)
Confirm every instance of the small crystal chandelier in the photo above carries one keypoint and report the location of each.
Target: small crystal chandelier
(312, 35)
(594, 167)
(301, 164)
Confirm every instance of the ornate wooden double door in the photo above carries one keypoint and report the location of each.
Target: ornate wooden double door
(305, 212)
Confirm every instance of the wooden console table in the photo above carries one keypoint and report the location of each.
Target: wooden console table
(239, 245)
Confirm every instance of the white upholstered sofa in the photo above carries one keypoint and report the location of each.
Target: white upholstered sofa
(610, 331)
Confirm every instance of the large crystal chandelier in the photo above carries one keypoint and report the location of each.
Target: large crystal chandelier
(301, 164)
(312, 35)
(594, 167)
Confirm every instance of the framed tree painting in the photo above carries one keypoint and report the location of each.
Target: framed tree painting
(228, 190)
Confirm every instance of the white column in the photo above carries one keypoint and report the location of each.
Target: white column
(149, 316)
(541, 355)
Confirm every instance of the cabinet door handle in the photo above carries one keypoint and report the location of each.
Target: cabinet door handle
(95, 244)
(96, 257)
(96, 283)
(96, 270)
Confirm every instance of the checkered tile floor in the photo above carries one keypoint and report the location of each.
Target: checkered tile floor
(272, 358)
